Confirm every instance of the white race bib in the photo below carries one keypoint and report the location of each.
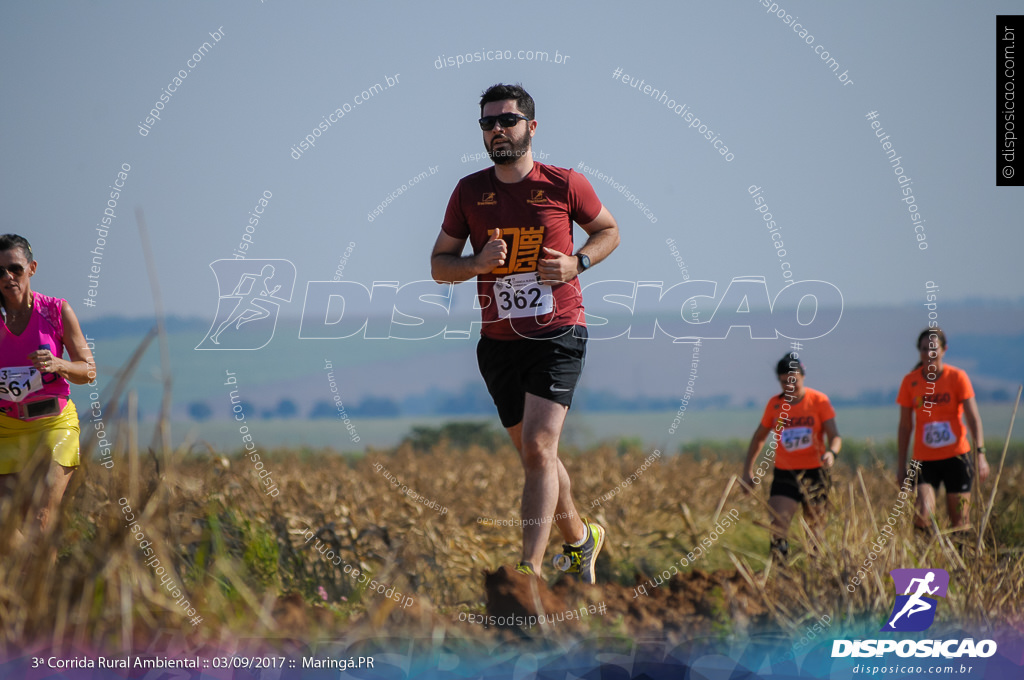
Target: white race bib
(18, 382)
(522, 295)
(938, 434)
(796, 438)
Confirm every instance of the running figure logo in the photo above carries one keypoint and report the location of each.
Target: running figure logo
(914, 610)
(258, 287)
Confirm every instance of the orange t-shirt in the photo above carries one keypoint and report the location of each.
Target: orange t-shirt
(939, 430)
(799, 429)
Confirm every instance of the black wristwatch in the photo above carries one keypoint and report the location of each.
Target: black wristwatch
(584, 262)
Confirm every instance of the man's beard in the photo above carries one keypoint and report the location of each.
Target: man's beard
(511, 153)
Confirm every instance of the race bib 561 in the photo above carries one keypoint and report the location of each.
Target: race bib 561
(18, 382)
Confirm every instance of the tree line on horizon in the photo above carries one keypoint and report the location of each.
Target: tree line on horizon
(473, 399)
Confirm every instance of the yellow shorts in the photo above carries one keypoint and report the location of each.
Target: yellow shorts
(19, 439)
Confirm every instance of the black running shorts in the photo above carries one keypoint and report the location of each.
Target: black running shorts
(956, 473)
(548, 366)
(803, 486)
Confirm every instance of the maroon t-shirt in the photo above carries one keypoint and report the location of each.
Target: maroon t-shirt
(534, 213)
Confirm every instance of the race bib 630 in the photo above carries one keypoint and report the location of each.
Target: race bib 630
(938, 434)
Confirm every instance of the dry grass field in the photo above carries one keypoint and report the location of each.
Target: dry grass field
(257, 566)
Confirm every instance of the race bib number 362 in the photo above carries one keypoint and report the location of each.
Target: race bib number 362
(18, 382)
(522, 295)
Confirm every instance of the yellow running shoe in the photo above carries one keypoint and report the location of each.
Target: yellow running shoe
(525, 568)
(582, 560)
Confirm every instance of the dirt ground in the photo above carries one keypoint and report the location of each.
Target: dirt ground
(687, 604)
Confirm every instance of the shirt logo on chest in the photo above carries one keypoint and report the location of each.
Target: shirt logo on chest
(537, 196)
(488, 199)
(524, 245)
(928, 401)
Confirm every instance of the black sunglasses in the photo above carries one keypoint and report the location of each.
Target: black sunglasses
(16, 270)
(506, 120)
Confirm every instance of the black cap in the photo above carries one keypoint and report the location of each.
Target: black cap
(789, 363)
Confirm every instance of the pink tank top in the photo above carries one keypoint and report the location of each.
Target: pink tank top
(45, 327)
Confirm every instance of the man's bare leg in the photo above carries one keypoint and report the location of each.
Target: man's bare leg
(924, 505)
(546, 491)
(959, 507)
(783, 508)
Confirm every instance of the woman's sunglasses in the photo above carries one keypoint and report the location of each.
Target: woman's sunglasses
(506, 120)
(16, 270)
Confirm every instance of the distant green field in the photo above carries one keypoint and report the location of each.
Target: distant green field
(581, 430)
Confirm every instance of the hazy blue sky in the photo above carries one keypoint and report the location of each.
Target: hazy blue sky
(80, 77)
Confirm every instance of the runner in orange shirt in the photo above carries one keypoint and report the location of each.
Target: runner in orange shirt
(798, 420)
(938, 396)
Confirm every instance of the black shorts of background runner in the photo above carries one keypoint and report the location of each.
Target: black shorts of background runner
(548, 366)
(809, 487)
(956, 473)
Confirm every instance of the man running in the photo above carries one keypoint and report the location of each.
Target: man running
(800, 421)
(518, 218)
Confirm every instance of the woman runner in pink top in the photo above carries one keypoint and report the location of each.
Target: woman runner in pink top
(36, 416)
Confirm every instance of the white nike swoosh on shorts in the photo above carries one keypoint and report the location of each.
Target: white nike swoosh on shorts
(558, 389)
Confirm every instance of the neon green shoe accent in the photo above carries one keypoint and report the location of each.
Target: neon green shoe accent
(582, 560)
(525, 568)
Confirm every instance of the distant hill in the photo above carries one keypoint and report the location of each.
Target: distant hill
(860, 363)
(110, 327)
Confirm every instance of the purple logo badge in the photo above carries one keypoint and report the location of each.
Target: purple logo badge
(916, 593)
